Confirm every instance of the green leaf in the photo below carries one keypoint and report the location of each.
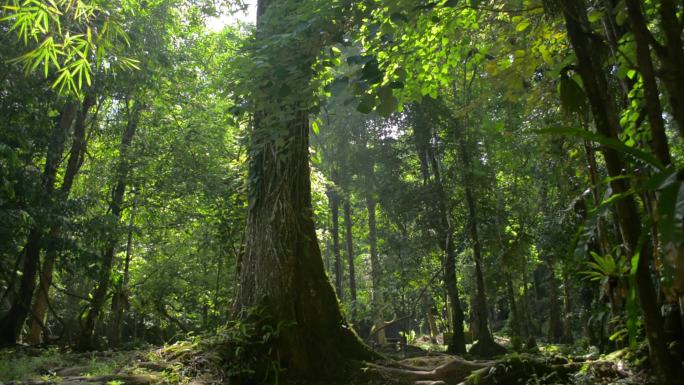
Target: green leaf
(522, 25)
(371, 72)
(315, 126)
(614, 144)
(595, 16)
(388, 102)
(366, 105)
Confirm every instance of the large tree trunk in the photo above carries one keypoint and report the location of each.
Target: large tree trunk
(282, 272)
(607, 124)
(12, 323)
(76, 156)
(350, 257)
(86, 340)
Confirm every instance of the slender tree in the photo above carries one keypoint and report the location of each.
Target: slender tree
(12, 323)
(86, 339)
(607, 124)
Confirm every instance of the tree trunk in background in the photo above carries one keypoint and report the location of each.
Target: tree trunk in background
(614, 33)
(430, 316)
(601, 231)
(485, 345)
(606, 118)
(37, 322)
(555, 323)
(350, 258)
(76, 157)
(457, 343)
(429, 162)
(86, 340)
(515, 313)
(120, 297)
(376, 271)
(12, 323)
(567, 306)
(282, 270)
(525, 323)
(334, 200)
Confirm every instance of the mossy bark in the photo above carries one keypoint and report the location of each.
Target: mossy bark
(281, 271)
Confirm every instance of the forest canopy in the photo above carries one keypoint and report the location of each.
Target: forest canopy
(387, 192)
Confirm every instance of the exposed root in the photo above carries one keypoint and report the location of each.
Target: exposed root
(515, 369)
(512, 369)
(451, 372)
(88, 380)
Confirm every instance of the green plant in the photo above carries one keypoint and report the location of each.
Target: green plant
(246, 345)
(606, 267)
(98, 367)
(410, 337)
(18, 366)
(516, 343)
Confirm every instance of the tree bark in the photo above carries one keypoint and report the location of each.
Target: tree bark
(334, 200)
(567, 306)
(282, 271)
(654, 110)
(672, 58)
(350, 258)
(513, 307)
(120, 298)
(12, 323)
(429, 162)
(86, 340)
(555, 323)
(485, 345)
(602, 233)
(607, 124)
(376, 271)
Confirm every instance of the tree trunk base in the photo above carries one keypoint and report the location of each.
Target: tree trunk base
(487, 349)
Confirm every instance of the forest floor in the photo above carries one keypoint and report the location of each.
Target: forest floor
(184, 363)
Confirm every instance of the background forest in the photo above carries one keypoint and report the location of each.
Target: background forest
(486, 177)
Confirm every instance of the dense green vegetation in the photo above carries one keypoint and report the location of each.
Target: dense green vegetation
(340, 186)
